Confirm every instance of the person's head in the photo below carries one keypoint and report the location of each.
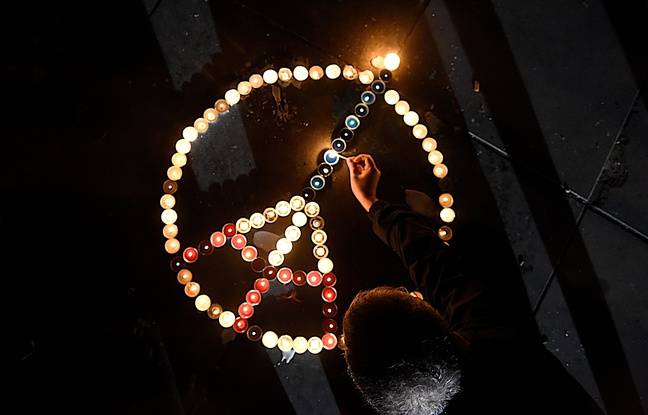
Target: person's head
(399, 352)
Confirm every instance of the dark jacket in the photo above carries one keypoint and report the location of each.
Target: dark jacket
(505, 367)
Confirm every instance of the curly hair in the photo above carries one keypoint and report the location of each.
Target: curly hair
(399, 352)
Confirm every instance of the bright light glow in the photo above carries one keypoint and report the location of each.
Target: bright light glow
(221, 105)
(392, 61)
(350, 73)
(447, 215)
(401, 107)
(172, 246)
(293, 233)
(429, 144)
(257, 220)
(378, 62)
(232, 96)
(285, 343)
(320, 251)
(285, 74)
(184, 276)
(256, 81)
(174, 173)
(202, 302)
(316, 72)
(270, 215)
(226, 319)
(284, 246)
(315, 345)
(445, 233)
(299, 219)
(167, 201)
(192, 289)
(201, 125)
(333, 71)
(435, 157)
(297, 203)
(249, 253)
(331, 157)
(243, 225)
(210, 114)
(411, 118)
(244, 87)
(189, 133)
(183, 146)
(284, 275)
(300, 344)
(329, 341)
(325, 265)
(275, 258)
(169, 216)
(318, 237)
(419, 131)
(300, 73)
(179, 159)
(170, 231)
(283, 208)
(270, 339)
(270, 76)
(392, 97)
(366, 77)
(312, 209)
(446, 200)
(440, 170)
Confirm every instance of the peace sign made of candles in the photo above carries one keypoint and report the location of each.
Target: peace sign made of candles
(302, 208)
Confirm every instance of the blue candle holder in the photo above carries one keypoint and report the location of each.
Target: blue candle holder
(330, 157)
(368, 97)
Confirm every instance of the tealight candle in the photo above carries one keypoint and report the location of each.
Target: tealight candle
(401, 107)
(249, 253)
(392, 61)
(312, 209)
(445, 233)
(283, 208)
(284, 246)
(350, 73)
(378, 86)
(210, 115)
(171, 246)
(253, 297)
(246, 310)
(368, 97)
(254, 333)
(392, 97)
(378, 62)
(316, 72)
(243, 225)
(167, 201)
(329, 341)
(339, 145)
(262, 285)
(174, 173)
(447, 215)
(317, 223)
(257, 220)
(238, 241)
(179, 159)
(240, 325)
(202, 302)
(258, 265)
(169, 186)
(285, 343)
(314, 278)
(317, 182)
(446, 200)
(214, 311)
(270, 76)
(299, 219)
(170, 231)
(192, 289)
(292, 233)
(205, 248)
(329, 279)
(190, 134)
(226, 319)
(297, 203)
(411, 118)
(275, 258)
(284, 275)
(429, 144)
(176, 264)
(419, 131)
(218, 239)
(299, 278)
(308, 193)
(270, 215)
(201, 125)
(435, 157)
(184, 276)
(269, 272)
(346, 134)
(320, 251)
(333, 71)
(190, 255)
(385, 75)
(325, 265)
(361, 110)
(229, 229)
(352, 122)
(270, 338)
(366, 77)
(315, 345)
(285, 74)
(300, 344)
(318, 237)
(440, 170)
(330, 157)
(256, 81)
(232, 96)
(329, 294)
(244, 87)
(300, 73)
(325, 169)
(329, 310)
(221, 106)
(329, 326)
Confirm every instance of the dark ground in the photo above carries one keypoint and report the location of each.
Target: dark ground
(547, 165)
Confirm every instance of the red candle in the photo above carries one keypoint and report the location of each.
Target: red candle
(258, 264)
(240, 325)
(329, 341)
(253, 297)
(284, 275)
(190, 254)
(270, 272)
(229, 229)
(329, 310)
(299, 278)
(218, 239)
(329, 294)
(314, 278)
(249, 253)
(245, 310)
(329, 279)
(329, 326)
(262, 285)
(238, 241)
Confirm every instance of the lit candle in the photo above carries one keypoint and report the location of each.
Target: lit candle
(201, 125)
(316, 72)
(317, 182)
(184, 276)
(352, 122)
(440, 170)
(221, 106)
(190, 255)
(238, 241)
(246, 310)
(169, 186)
(232, 97)
(253, 297)
(170, 231)
(176, 264)
(240, 325)
(329, 279)
(378, 62)
(270, 215)
(257, 220)
(314, 345)
(392, 97)
(284, 246)
(244, 88)
(262, 285)
(401, 107)
(299, 219)
(214, 311)
(179, 159)
(378, 87)
(392, 61)
(229, 229)
(297, 203)
(333, 71)
(210, 115)
(258, 264)
(429, 144)
(285, 343)
(270, 338)
(446, 200)
(346, 134)
(330, 157)
(249, 253)
(329, 341)
(192, 289)
(256, 81)
(317, 223)
(368, 97)
(312, 209)
(299, 278)
(275, 258)
(411, 118)
(205, 248)
(339, 145)
(329, 294)
(243, 225)
(300, 73)
(349, 72)
(435, 157)
(226, 319)
(171, 246)
(218, 239)
(329, 326)
(167, 201)
(202, 302)
(283, 208)
(314, 278)
(385, 75)
(366, 77)
(270, 272)
(361, 110)
(300, 344)
(285, 74)
(447, 215)
(329, 310)
(254, 333)
(270, 76)
(320, 251)
(190, 134)
(445, 233)
(292, 233)
(308, 193)
(174, 173)
(325, 265)
(419, 131)
(318, 237)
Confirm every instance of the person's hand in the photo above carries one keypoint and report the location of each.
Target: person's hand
(364, 179)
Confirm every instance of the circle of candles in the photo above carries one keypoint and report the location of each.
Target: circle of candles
(314, 278)
(262, 285)
(447, 215)
(320, 251)
(300, 344)
(176, 264)
(385, 75)
(284, 246)
(309, 193)
(325, 169)
(214, 311)
(317, 222)
(269, 272)
(299, 219)
(429, 144)
(329, 326)
(238, 241)
(249, 253)
(284, 74)
(192, 289)
(201, 125)
(401, 107)
(221, 106)
(270, 215)
(325, 265)
(349, 72)
(182, 146)
(240, 325)
(338, 145)
(329, 310)
(316, 72)
(329, 279)
(205, 248)
(312, 209)
(300, 73)
(392, 97)
(315, 345)
(170, 231)
(246, 310)
(352, 122)
(419, 131)
(275, 258)
(297, 203)
(243, 225)
(189, 133)
(361, 110)
(411, 118)
(378, 87)
(346, 134)
(299, 278)
(190, 254)
(253, 297)
(378, 62)
(435, 157)
(229, 229)
(329, 341)
(270, 76)
(254, 333)
(184, 276)
(171, 246)
(285, 343)
(283, 208)
(319, 237)
(368, 97)
(170, 186)
(317, 182)
(445, 233)
(333, 71)
(392, 61)
(218, 239)
(270, 338)
(440, 170)
(174, 173)
(226, 319)
(292, 233)
(167, 201)
(366, 77)
(329, 294)
(446, 200)
(244, 87)
(202, 302)
(210, 115)
(232, 96)
(257, 220)
(169, 216)
(258, 265)
(284, 275)
(330, 157)
(256, 81)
